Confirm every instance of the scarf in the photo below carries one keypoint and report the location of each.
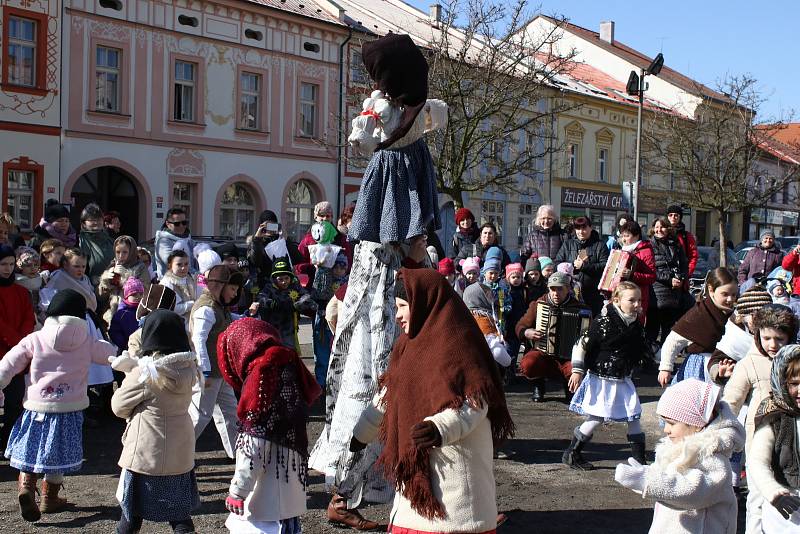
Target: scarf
(628, 318)
(428, 374)
(703, 325)
(274, 387)
(70, 238)
(133, 256)
(780, 401)
(6, 281)
(61, 280)
(631, 247)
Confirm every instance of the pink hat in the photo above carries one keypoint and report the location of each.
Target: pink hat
(514, 268)
(132, 285)
(690, 401)
(566, 268)
(470, 264)
(446, 266)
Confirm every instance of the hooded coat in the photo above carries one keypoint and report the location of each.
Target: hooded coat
(592, 269)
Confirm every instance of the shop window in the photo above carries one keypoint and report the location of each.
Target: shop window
(309, 93)
(299, 212)
(107, 79)
(185, 79)
(237, 211)
(183, 197)
(493, 211)
(249, 101)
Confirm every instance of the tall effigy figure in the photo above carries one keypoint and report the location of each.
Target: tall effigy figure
(396, 204)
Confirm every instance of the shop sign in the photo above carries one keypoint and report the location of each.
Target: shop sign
(589, 198)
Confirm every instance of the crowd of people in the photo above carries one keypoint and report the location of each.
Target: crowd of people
(94, 326)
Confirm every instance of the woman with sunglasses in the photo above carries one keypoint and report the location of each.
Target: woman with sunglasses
(175, 231)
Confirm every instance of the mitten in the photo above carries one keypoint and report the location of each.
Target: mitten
(425, 435)
(234, 504)
(124, 363)
(631, 475)
(786, 504)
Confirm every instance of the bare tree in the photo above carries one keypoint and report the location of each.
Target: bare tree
(714, 157)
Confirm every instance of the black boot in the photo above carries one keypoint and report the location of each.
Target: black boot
(538, 390)
(573, 457)
(638, 447)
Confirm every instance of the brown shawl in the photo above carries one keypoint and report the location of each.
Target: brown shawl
(703, 325)
(429, 373)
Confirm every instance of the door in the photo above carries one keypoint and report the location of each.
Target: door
(113, 190)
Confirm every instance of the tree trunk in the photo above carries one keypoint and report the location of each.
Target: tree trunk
(723, 240)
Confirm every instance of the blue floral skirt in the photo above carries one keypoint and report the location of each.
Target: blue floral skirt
(46, 442)
(694, 366)
(158, 498)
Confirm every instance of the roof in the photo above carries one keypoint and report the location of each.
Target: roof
(641, 60)
(788, 133)
(782, 142)
(305, 8)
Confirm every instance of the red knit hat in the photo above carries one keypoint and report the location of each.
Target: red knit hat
(463, 213)
(446, 266)
(514, 268)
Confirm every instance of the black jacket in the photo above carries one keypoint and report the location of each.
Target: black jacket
(464, 241)
(613, 349)
(592, 269)
(671, 263)
(476, 249)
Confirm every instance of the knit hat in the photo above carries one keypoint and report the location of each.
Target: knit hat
(491, 264)
(54, 210)
(67, 302)
(690, 401)
(26, 256)
(558, 279)
(341, 259)
(674, 208)
(227, 250)
(766, 232)
(322, 207)
(513, 268)
(463, 213)
(164, 331)
(494, 253)
(282, 266)
(7, 252)
(267, 216)
(566, 268)
(446, 266)
(753, 300)
(470, 264)
(771, 285)
(208, 259)
(533, 264)
(544, 261)
(132, 285)
(158, 297)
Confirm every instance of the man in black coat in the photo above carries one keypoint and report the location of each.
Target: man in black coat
(588, 255)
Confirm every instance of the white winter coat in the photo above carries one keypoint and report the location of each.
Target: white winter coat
(691, 480)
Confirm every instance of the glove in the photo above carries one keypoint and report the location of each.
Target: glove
(234, 504)
(786, 504)
(631, 475)
(124, 363)
(356, 445)
(425, 435)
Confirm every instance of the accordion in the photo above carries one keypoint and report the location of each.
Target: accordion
(561, 328)
(618, 261)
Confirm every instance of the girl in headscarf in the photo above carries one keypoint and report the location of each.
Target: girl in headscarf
(440, 412)
(125, 264)
(268, 490)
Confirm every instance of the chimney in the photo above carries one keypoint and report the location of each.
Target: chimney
(607, 31)
(436, 14)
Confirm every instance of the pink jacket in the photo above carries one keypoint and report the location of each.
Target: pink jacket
(59, 356)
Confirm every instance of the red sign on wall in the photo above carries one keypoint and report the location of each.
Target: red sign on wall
(51, 190)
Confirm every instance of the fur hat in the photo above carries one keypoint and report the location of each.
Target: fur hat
(132, 286)
(157, 297)
(208, 259)
(67, 302)
(463, 213)
(446, 266)
(54, 210)
(470, 264)
(533, 264)
(690, 401)
(514, 268)
(753, 300)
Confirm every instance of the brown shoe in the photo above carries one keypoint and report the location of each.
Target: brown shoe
(51, 502)
(27, 497)
(339, 515)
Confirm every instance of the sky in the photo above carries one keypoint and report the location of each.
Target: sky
(704, 39)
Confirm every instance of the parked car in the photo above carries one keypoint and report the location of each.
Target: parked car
(787, 243)
(750, 243)
(708, 260)
(742, 253)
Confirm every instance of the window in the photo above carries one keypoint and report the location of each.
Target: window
(107, 79)
(250, 90)
(20, 197)
(22, 53)
(308, 110)
(572, 154)
(299, 214)
(525, 220)
(237, 212)
(492, 211)
(602, 158)
(185, 77)
(182, 195)
(358, 73)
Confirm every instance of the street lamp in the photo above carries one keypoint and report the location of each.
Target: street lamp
(636, 87)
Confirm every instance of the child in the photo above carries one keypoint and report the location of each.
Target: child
(535, 283)
(206, 259)
(569, 269)
(773, 459)
(516, 290)
(602, 363)
(157, 297)
(125, 265)
(774, 326)
(46, 439)
(281, 303)
(275, 391)
(185, 286)
(28, 275)
(470, 272)
(437, 421)
(690, 478)
(209, 318)
(147, 261)
(447, 268)
(699, 330)
(481, 304)
(124, 323)
(51, 252)
(548, 267)
(491, 277)
(777, 290)
(157, 482)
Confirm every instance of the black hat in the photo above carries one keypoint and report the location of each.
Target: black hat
(227, 250)
(281, 266)
(267, 216)
(157, 297)
(6, 251)
(400, 70)
(164, 331)
(67, 302)
(675, 209)
(54, 210)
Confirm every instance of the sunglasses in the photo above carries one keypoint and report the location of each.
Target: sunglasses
(178, 223)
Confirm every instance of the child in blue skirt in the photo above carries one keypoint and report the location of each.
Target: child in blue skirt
(46, 439)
